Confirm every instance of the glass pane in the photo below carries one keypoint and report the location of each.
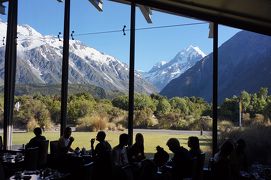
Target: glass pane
(170, 54)
(99, 71)
(244, 98)
(38, 74)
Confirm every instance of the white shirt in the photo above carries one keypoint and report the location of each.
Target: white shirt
(119, 156)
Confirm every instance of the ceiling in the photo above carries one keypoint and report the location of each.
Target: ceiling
(252, 15)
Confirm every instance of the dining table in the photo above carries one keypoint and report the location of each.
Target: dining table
(44, 174)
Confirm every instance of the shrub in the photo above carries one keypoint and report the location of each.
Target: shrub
(95, 122)
(258, 119)
(257, 140)
(225, 126)
(111, 126)
(246, 120)
(31, 124)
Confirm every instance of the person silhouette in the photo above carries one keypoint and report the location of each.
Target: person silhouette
(221, 166)
(103, 148)
(119, 152)
(160, 157)
(136, 151)
(65, 142)
(193, 144)
(37, 140)
(181, 161)
(238, 159)
(102, 157)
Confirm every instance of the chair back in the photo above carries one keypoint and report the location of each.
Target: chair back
(2, 175)
(43, 152)
(53, 147)
(1, 143)
(31, 159)
(197, 167)
(201, 161)
(87, 171)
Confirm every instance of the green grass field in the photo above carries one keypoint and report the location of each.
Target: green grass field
(151, 139)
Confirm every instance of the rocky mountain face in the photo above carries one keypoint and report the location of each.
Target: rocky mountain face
(163, 72)
(39, 61)
(244, 64)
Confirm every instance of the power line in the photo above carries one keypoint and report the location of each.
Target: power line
(140, 29)
(123, 30)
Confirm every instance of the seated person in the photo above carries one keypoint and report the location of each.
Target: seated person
(119, 152)
(193, 144)
(238, 159)
(221, 166)
(65, 141)
(102, 157)
(136, 152)
(102, 148)
(160, 157)
(181, 161)
(36, 141)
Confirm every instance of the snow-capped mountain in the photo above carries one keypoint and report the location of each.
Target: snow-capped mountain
(163, 72)
(39, 60)
(244, 64)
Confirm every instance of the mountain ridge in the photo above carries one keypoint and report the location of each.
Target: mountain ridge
(244, 63)
(163, 72)
(40, 61)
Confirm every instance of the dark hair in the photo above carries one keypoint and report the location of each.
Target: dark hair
(139, 138)
(68, 129)
(173, 142)
(123, 139)
(226, 148)
(193, 142)
(37, 131)
(101, 135)
(240, 145)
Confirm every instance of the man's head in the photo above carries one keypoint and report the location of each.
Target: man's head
(37, 131)
(173, 144)
(100, 136)
(67, 132)
(123, 139)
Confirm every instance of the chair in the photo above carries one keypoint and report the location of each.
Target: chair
(53, 147)
(43, 152)
(1, 143)
(53, 160)
(31, 159)
(197, 167)
(87, 171)
(2, 174)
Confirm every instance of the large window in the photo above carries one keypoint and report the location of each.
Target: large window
(99, 71)
(244, 100)
(168, 52)
(38, 72)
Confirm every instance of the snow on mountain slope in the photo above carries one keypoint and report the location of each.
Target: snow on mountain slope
(163, 72)
(40, 61)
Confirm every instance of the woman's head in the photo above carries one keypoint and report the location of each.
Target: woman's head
(139, 139)
(226, 148)
(193, 142)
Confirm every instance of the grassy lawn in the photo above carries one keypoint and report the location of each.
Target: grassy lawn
(151, 139)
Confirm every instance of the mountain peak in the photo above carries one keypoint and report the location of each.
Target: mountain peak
(40, 58)
(163, 72)
(26, 30)
(192, 48)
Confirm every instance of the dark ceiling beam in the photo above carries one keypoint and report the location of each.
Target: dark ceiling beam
(252, 19)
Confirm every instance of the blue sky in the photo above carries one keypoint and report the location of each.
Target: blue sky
(152, 46)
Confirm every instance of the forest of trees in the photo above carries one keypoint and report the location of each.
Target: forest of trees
(150, 111)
